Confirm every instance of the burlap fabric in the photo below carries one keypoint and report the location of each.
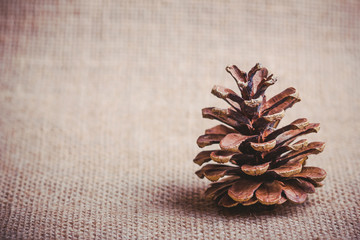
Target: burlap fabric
(101, 108)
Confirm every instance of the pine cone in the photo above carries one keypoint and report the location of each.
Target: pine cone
(266, 166)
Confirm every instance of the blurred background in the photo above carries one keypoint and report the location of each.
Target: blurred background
(100, 109)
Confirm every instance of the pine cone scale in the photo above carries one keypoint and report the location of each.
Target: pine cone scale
(243, 189)
(231, 142)
(269, 193)
(314, 173)
(288, 169)
(294, 193)
(255, 170)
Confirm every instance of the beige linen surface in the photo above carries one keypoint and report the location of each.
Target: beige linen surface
(101, 108)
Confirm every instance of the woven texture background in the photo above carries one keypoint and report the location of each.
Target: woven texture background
(101, 108)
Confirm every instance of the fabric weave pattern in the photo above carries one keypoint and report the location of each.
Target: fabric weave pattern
(101, 107)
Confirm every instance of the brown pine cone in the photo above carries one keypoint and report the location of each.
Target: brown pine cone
(264, 163)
